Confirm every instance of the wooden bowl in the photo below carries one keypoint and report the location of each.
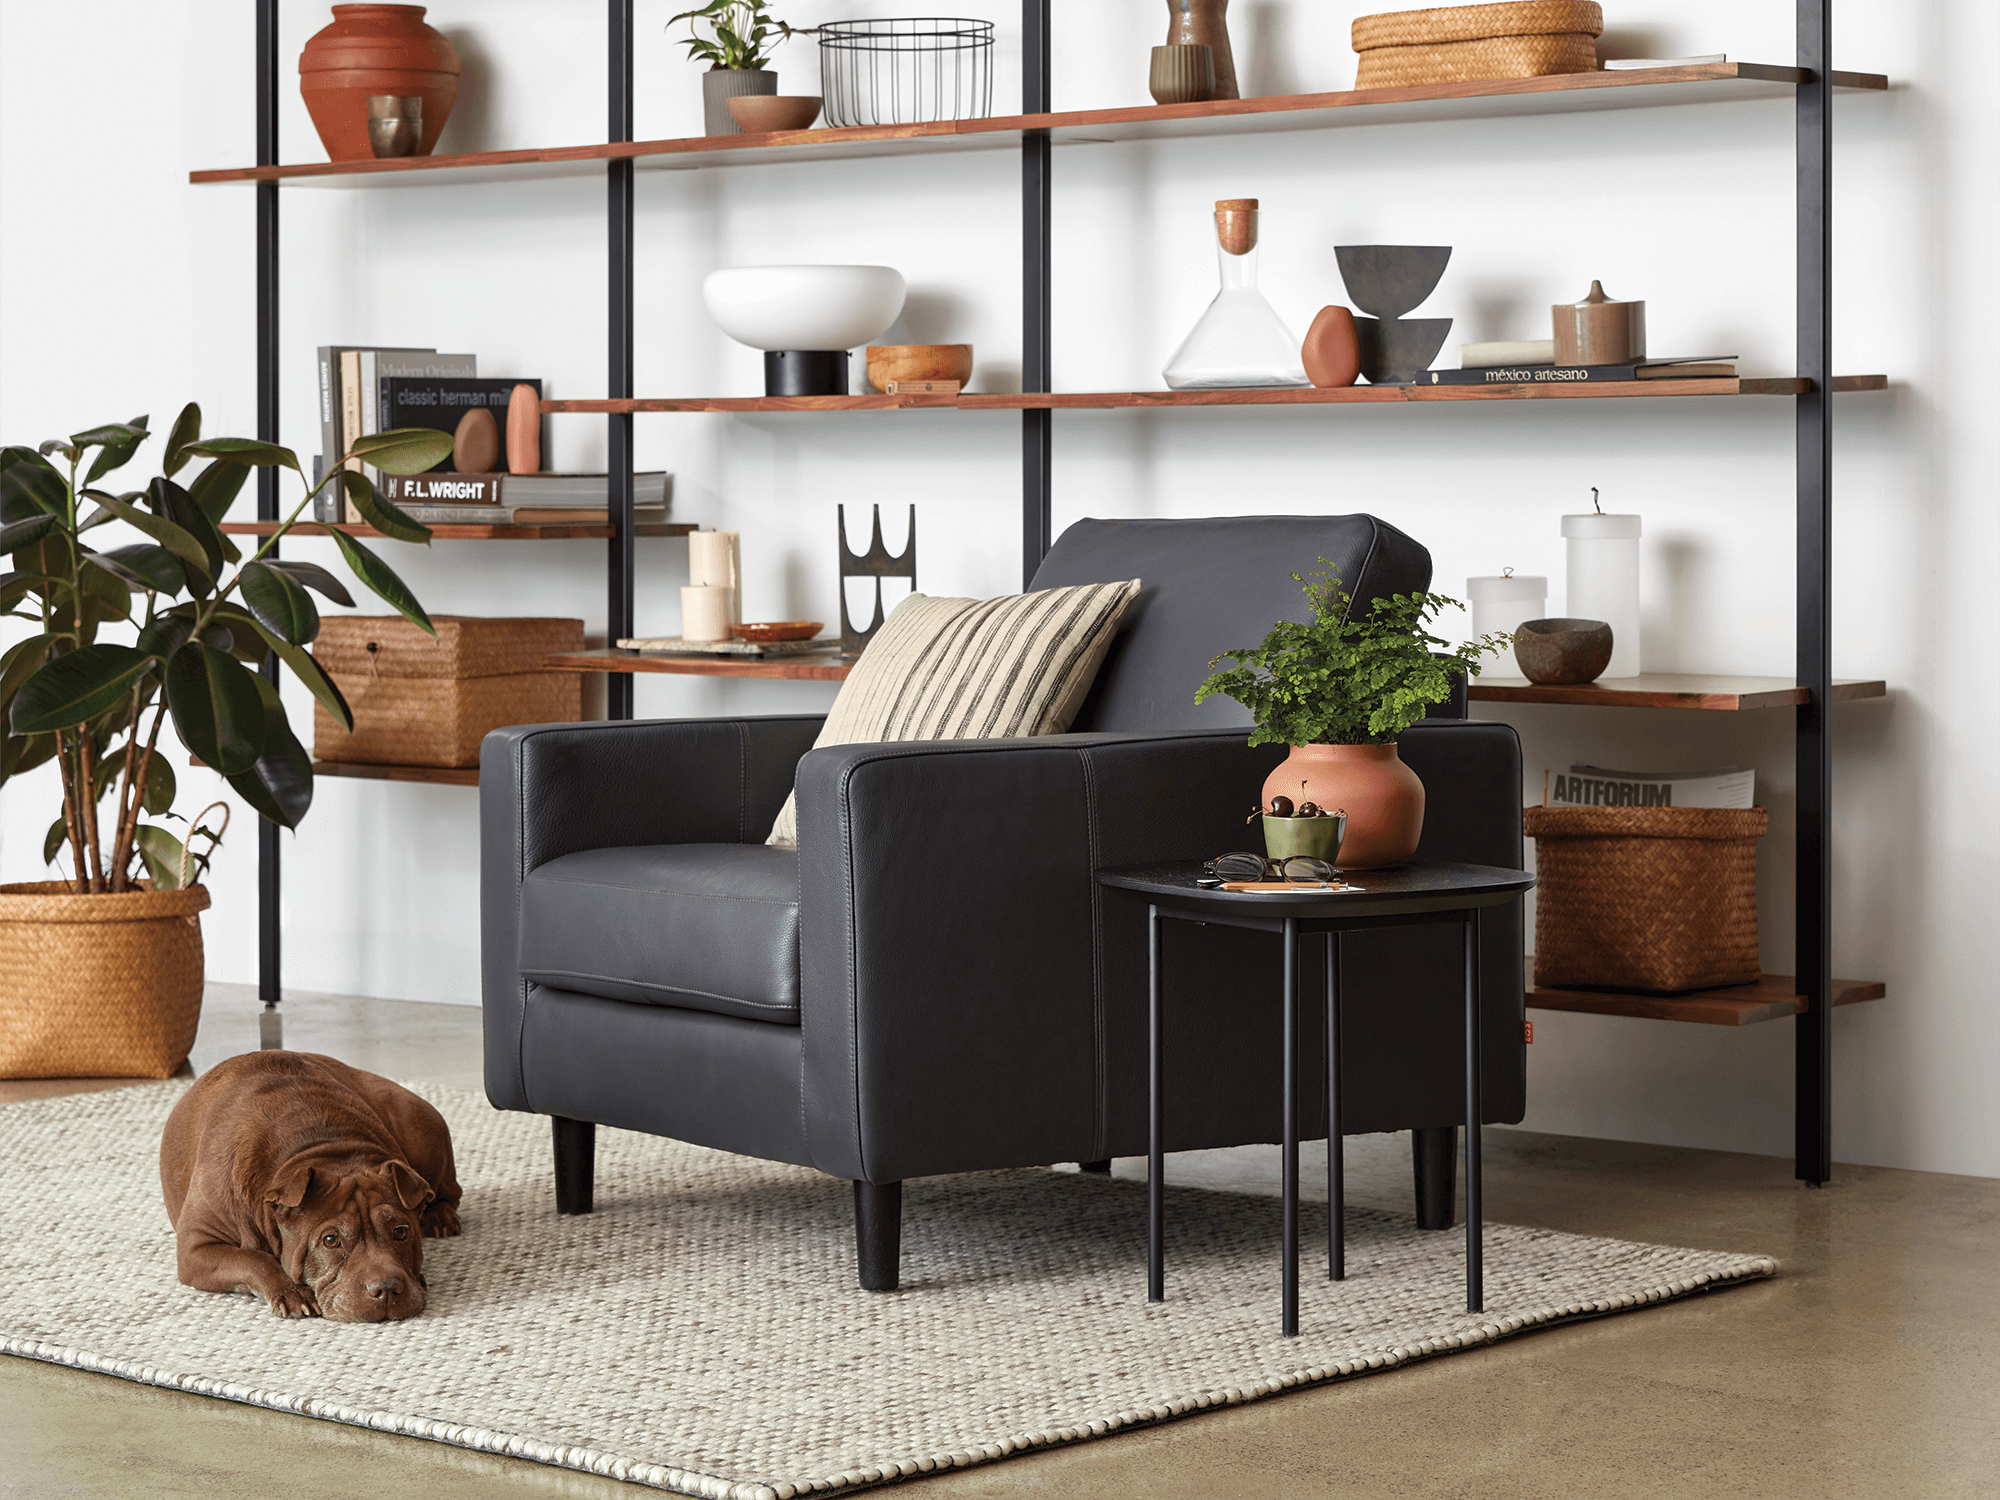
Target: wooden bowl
(759, 114)
(778, 630)
(887, 362)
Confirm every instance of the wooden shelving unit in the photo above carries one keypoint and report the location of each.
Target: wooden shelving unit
(602, 533)
(1113, 400)
(1807, 88)
(1669, 690)
(1772, 998)
(819, 666)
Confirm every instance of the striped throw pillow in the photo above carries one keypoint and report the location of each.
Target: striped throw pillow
(973, 669)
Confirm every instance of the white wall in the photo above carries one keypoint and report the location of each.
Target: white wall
(123, 289)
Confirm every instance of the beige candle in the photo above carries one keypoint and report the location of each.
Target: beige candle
(704, 612)
(715, 560)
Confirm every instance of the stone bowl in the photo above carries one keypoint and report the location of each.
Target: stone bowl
(1562, 653)
(1395, 351)
(804, 307)
(759, 114)
(887, 362)
(1390, 280)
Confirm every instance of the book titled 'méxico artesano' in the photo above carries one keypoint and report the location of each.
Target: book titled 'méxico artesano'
(1693, 367)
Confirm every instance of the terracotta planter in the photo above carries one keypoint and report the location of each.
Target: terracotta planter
(98, 986)
(369, 50)
(1382, 797)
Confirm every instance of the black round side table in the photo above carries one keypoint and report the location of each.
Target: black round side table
(1409, 895)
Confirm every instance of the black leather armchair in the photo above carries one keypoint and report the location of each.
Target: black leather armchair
(934, 982)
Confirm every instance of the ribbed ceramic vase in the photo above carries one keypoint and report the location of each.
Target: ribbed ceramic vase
(1382, 797)
(720, 85)
(371, 50)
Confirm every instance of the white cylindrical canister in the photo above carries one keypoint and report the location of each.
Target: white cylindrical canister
(705, 612)
(1603, 583)
(1504, 602)
(714, 557)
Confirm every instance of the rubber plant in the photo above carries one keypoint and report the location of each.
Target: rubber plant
(741, 33)
(1340, 680)
(208, 630)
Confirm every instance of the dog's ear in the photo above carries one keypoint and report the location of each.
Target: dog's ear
(411, 1189)
(290, 1190)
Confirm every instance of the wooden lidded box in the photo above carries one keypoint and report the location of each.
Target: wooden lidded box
(420, 701)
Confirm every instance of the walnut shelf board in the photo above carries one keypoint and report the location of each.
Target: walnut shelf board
(1669, 690)
(1295, 396)
(469, 533)
(818, 667)
(1771, 998)
(436, 775)
(1485, 98)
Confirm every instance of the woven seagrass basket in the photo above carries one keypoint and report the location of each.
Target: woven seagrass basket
(424, 701)
(1647, 898)
(98, 986)
(1458, 43)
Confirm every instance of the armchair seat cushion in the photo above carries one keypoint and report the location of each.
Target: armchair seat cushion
(711, 927)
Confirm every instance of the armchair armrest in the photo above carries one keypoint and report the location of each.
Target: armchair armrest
(952, 1008)
(546, 790)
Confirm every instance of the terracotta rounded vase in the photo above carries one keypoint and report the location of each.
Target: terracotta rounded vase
(371, 50)
(1332, 351)
(1382, 797)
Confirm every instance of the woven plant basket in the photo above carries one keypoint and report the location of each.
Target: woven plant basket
(1646, 898)
(98, 986)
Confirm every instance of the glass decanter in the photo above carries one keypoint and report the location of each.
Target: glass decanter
(1240, 340)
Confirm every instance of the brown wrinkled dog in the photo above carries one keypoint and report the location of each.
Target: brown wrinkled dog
(310, 1183)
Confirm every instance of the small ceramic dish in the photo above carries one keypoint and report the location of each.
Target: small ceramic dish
(759, 114)
(778, 630)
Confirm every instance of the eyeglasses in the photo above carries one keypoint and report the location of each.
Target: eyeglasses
(1238, 865)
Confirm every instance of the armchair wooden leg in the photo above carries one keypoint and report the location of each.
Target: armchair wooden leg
(1096, 1166)
(576, 1164)
(1435, 1156)
(878, 1233)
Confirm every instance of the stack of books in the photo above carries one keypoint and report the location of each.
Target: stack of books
(369, 390)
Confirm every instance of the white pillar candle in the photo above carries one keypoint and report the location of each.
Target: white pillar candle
(1603, 582)
(1503, 603)
(704, 612)
(715, 558)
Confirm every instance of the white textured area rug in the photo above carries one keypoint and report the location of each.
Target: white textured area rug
(702, 1331)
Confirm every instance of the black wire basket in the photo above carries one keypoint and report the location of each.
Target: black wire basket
(906, 72)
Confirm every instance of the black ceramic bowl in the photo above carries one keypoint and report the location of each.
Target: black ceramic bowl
(1390, 280)
(1562, 653)
(1395, 351)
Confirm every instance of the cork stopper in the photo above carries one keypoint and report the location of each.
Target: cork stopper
(1236, 224)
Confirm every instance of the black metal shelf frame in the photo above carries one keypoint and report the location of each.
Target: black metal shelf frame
(1813, 1120)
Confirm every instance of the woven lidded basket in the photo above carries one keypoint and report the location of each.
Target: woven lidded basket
(1648, 898)
(98, 986)
(1457, 43)
(424, 702)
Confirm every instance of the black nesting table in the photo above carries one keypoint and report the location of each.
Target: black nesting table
(1413, 894)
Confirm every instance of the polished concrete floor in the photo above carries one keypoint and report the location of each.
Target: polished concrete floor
(1869, 1367)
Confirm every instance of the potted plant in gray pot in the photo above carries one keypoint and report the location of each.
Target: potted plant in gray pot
(1338, 689)
(740, 36)
(101, 974)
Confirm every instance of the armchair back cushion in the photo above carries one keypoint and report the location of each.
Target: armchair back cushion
(1212, 586)
(973, 669)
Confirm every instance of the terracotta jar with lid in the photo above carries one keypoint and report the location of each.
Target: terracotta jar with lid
(370, 50)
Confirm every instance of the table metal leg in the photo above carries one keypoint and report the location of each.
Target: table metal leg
(1475, 1277)
(1291, 1165)
(1336, 1145)
(1156, 1168)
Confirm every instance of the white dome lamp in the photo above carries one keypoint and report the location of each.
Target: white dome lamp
(805, 319)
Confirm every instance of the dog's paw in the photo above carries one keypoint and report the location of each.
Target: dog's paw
(440, 1221)
(295, 1301)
